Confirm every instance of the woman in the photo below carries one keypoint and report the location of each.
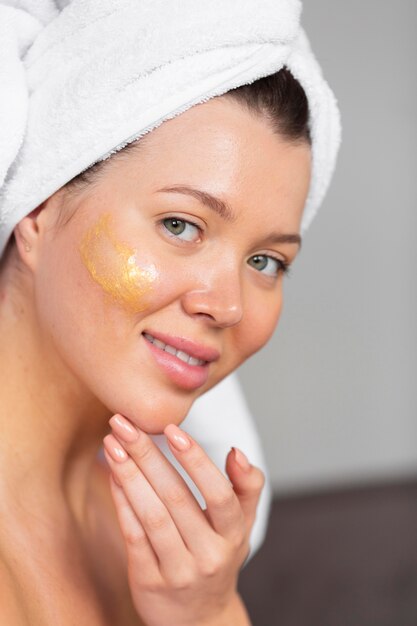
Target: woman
(129, 290)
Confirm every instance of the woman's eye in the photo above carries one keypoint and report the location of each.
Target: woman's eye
(267, 264)
(187, 231)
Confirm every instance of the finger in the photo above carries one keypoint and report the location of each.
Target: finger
(223, 506)
(142, 558)
(248, 482)
(196, 531)
(154, 517)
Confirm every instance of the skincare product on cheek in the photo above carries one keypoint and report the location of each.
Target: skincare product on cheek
(113, 265)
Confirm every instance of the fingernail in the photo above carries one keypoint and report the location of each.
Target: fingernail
(123, 428)
(177, 437)
(241, 459)
(114, 448)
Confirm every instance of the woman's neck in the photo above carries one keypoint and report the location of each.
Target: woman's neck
(52, 426)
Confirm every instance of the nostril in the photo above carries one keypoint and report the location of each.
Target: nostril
(208, 315)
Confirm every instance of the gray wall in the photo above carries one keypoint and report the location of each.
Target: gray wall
(335, 392)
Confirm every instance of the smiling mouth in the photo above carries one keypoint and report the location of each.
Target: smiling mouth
(180, 354)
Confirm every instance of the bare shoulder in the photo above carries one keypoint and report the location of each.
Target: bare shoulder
(104, 564)
(11, 606)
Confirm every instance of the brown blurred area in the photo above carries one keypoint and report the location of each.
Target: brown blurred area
(337, 558)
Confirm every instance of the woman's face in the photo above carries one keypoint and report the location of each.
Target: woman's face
(144, 256)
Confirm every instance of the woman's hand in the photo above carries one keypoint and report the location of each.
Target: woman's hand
(183, 562)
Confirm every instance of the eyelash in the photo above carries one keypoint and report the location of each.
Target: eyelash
(284, 267)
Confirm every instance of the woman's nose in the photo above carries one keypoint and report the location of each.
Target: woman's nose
(220, 301)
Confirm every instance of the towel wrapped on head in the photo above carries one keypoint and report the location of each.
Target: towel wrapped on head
(81, 79)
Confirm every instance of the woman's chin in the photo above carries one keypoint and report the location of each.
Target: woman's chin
(151, 412)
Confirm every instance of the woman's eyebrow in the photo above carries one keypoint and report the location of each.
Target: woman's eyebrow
(224, 210)
(282, 238)
(217, 205)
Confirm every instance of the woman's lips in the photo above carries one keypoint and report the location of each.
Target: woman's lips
(193, 348)
(181, 373)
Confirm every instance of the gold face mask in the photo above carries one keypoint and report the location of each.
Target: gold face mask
(112, 265)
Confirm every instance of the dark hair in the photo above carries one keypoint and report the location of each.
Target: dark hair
(279, 98)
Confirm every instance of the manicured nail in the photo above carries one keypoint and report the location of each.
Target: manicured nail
(114, 448)
(241, 459)
(177, 438)
(123, 428)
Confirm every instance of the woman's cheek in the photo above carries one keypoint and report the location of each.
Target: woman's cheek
(125, 279)
(261, 321)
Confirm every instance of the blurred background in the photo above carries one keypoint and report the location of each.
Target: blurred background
(334, 394)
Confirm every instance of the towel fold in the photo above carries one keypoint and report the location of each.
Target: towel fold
(81, 79)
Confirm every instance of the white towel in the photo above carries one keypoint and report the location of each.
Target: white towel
(81, 79)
